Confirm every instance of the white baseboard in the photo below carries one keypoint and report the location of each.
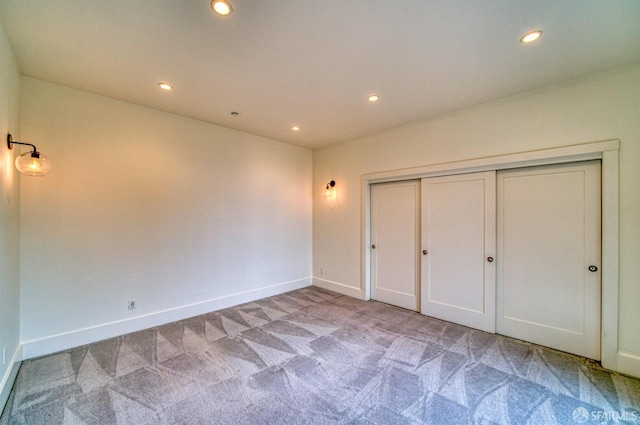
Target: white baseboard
(340, 288)
(628, 364)
(9, 377)
(76, 338)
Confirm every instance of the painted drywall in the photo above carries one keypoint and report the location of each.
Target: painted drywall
(182, 215)
(598, 107)
(9, 219)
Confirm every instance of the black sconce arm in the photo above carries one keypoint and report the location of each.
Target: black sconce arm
(10, 143)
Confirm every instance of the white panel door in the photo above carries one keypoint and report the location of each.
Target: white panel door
(458, 239)
(548, 237)
(395, 215)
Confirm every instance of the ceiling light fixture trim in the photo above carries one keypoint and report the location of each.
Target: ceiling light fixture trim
(531, 36)
(221, 7)
(165, 86)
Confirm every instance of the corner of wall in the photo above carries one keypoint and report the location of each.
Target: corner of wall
(340, 288)
(9, 221)
(9, 377)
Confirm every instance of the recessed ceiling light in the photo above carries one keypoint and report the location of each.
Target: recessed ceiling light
(531, 36)
(373, 98)
(165, 86)
(295, 128)
(221, 7)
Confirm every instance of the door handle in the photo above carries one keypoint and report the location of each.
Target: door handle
(490, 259)
(424, 252)
(373, 246)
(593, 269)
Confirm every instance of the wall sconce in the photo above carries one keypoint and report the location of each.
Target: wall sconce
(330, 191)
(30, 163)
(330, 194)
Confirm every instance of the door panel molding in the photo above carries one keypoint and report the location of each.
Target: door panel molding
(395, 232)
(548, 236)
(458, 232)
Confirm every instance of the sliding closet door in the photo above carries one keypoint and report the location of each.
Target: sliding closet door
(549, 256)
(395, 215)
(458, 242)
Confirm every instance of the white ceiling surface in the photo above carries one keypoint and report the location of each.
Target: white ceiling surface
(312, 63)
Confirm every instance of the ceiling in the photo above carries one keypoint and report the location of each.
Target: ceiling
(312, 63)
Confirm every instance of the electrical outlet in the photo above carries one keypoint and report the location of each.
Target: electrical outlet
(132, 304)
(321, 270)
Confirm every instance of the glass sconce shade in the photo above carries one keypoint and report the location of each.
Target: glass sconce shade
(328, 192)
(33, 164)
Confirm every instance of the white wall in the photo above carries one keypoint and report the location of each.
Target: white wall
(596, 108)
(9, 219)
(181, 215)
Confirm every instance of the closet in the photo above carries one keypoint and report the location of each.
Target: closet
(515, 251)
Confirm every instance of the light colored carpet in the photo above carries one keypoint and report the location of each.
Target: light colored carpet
(314, 357)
